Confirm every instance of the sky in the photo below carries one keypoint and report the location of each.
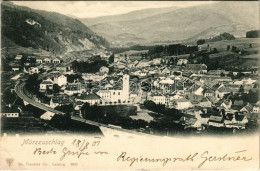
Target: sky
(91, 9)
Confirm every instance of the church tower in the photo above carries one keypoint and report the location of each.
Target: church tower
(126, 86)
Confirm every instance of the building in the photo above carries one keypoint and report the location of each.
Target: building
(9, 112)
(58, 101)
(60, 80)
(248, 108)
(181, 104)
(39, 60)
(57, 60)
(92, 98)
(216, 121)
(182, 62)
(119, 96)
(47, 60)
(46, 84)
(18, 57)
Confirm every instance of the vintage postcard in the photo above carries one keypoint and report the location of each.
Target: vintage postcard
(130, 85)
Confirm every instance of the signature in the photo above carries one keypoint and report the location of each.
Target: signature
(203, 159)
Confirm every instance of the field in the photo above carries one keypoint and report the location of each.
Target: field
(230, 59)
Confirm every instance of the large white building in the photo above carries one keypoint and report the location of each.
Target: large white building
(119, 96)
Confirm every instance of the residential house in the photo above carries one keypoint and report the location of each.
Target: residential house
(226, 104)
(18, 57)
(57, 60)
(46, 84)
(33, 70)
(158, 98)
(15, 68)
(75, 88)
(47, 60)
(180, 104)
(205, 102)
(60, 80)
(39, 60)
(216, 121)
(208, 93)
(182, 62)
(9, 112)
(256, 109)
(247, 108)
(59, 100)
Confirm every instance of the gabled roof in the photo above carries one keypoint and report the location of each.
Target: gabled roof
(218, 119)
(91, 96)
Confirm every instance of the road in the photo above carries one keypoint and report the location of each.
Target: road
(19, 89)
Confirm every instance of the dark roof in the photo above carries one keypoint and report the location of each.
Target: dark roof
(197, 67)
(205, 115)
(91, 96)
(218, 119)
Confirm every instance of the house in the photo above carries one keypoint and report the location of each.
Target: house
(216, 121)
(165, 71)
(33, 70)
(199, 91)
(248, 108)
(181, 104)
(47, 60)
(196, 68)
(235, 121)
(60, 80)
(59, 100)
(182, 62)
(222, 91)
(158, 98)
(208, 93)
(238, 102)
(9, 112)
(61, 68)
(77, 105)
(46, 84)
(205, 102)
(92, 98)
(226, 104)
(57, 60)
(156, 61)
(256, 109)
(15, 68)
(18, 57)
(166, 83)
(39, 60)
(75, 88)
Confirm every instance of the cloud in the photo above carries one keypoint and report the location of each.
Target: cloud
(88, 9)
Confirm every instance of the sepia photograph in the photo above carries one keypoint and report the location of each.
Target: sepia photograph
(139, 78)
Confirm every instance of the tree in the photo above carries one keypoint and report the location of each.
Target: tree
(150, 105)
(65, 108)
(201, 42)
(111, 59)
(228, 47)
(91, 112)
(56, 88)
(241, 89)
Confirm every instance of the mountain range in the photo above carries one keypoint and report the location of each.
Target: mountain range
(25, 27)
(183, 24)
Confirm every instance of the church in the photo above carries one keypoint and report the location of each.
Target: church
(118, 96)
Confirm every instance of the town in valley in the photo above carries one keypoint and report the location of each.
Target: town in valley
(53, 80)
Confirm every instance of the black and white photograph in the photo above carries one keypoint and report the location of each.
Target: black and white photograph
(127, 69)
